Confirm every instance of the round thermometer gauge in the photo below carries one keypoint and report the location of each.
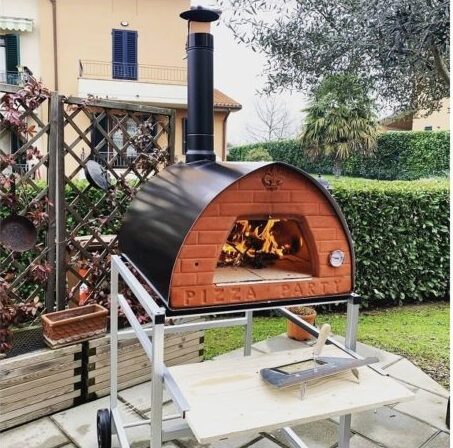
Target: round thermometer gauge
(336, 258)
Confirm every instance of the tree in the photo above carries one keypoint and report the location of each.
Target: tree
(274, 122)
(400, 49)
(340, 119)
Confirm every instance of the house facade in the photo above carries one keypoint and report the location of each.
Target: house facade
(127, 50)
(436, 121)
(19, 38)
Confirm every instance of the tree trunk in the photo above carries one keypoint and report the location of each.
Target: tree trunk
(337, 168)
(442, 69)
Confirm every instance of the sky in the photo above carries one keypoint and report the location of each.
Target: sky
(238, 72)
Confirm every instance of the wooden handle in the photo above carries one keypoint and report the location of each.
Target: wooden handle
(324, 333)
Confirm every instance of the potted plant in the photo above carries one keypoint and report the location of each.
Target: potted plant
(308, 315)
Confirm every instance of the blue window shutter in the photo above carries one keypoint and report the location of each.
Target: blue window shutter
(131, 47)
(117, 54)
(124, 54)
(118, 51)
(130, 42)
(12, 52)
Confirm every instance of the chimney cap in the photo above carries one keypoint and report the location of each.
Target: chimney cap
(200, 14)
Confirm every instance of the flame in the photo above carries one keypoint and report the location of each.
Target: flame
(257, 243)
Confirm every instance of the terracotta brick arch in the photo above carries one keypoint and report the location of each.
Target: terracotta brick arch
(276, 191)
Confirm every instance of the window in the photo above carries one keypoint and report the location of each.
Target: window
(120, 139)
(2, 59)
(107, 151)
(428, 128)
(97, 138)
(20, 160)
(15, 143)
(124, 54)
(9, 59)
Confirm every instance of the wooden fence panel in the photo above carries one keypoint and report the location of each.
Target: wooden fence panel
(24, 154)
(48, 381)
(133, 364)
(32, 386)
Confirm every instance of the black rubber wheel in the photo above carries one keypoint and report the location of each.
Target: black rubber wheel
(447, 417)
(104, 427)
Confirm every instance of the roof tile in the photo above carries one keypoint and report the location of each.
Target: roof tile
(224, 101)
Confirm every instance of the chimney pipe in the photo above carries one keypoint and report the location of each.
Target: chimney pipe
(200, 84)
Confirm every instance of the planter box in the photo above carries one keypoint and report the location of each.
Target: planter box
(74, 325)
(38, 383)
(133, 364)
(49, 381)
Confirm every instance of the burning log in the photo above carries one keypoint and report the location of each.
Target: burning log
(258, 243)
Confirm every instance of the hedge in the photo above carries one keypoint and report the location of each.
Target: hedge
(400, 231)
(398, 155)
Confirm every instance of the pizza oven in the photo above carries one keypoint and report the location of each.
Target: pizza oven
(209, 234)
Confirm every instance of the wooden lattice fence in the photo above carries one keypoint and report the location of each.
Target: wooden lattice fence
(19, 270)
(77, 223)
(110, 133)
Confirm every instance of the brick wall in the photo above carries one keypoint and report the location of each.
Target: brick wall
(291, 197)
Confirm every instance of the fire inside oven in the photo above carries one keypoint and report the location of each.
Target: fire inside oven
(259, 250)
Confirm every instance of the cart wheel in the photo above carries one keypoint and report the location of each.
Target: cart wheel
(104, 428)
(447, 417)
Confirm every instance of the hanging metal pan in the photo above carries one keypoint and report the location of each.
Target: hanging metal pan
(97, 175)
(17, 233)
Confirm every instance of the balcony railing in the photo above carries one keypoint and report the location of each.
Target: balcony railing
(14, 78)
(106, 157)
(20, 168)
(158, 74)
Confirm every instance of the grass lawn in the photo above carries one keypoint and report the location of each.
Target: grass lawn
(418, 332)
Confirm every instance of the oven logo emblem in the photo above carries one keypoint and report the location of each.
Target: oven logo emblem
(272, 179)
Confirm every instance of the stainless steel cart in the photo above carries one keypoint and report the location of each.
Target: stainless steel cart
(151, 337)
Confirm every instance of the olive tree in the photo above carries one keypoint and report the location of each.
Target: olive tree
(400, 49)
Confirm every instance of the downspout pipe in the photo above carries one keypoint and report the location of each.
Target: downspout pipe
(200, 84)
(55, 42)
(224, 134)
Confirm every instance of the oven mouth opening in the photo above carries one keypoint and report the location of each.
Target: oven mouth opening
(264, 250)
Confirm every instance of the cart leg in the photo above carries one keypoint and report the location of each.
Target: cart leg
(292, 438)
(248, 334)
(352, 322)
(157, 374)
(114, 341)
(344, 430)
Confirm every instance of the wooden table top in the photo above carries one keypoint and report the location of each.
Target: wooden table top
(227, 397)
